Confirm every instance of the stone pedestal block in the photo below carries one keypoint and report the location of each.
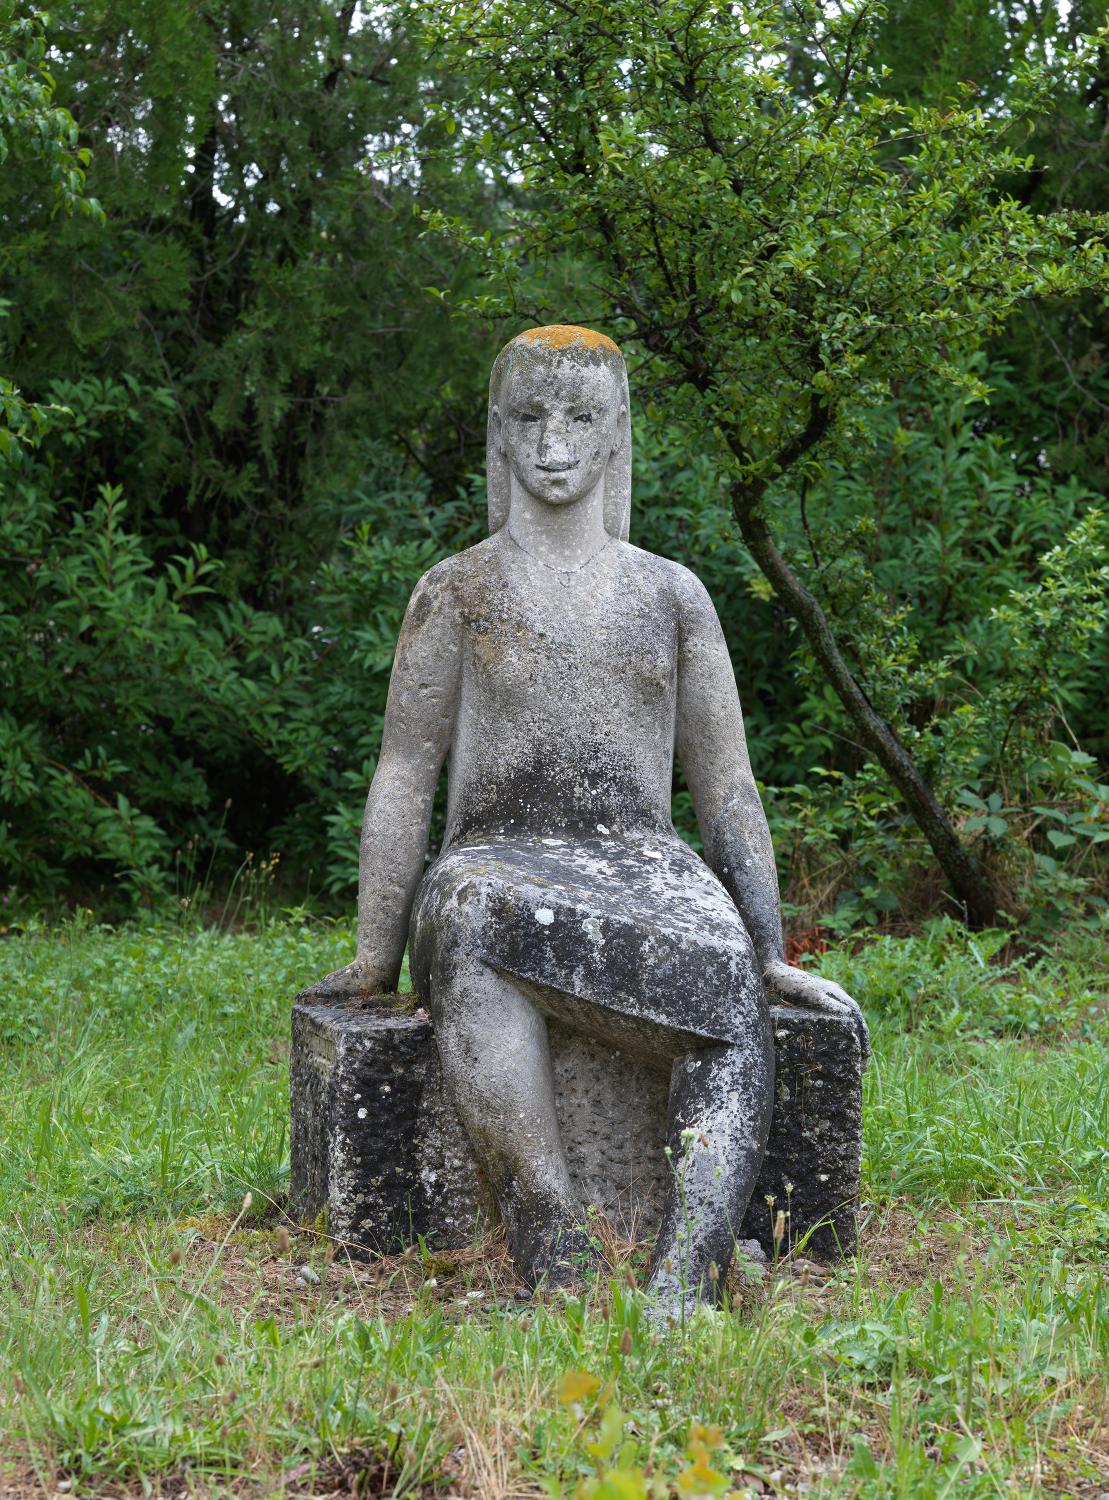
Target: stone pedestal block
(376, 1142)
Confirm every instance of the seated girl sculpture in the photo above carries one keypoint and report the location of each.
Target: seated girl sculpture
(560, 668)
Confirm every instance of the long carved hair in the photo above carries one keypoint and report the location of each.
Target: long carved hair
(559, 341)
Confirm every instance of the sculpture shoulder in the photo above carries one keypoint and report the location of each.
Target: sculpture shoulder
(685, 592)
(444, 588)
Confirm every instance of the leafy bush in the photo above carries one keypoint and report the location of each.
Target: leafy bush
(971, 590)
(151, 721)
(207, 551)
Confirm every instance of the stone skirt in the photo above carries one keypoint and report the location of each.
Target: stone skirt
(629, 938)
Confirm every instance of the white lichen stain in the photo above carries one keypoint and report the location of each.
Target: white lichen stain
(544, 916)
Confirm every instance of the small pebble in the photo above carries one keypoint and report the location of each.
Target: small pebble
(307, 1275)
(810, 1269)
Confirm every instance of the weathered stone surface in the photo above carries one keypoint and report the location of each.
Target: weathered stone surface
(815, 1140)
(560, 671)
(376, 1140)
(373, 1140)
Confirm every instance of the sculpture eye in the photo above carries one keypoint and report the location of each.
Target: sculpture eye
(584, 416)
(527, 416)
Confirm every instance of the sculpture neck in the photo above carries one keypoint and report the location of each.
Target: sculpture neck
(564, 537)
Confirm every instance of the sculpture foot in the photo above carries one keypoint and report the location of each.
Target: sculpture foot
(666, 1314)
(672, 1302)
(560, 1259)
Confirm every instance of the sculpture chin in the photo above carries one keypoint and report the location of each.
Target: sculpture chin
(559, 498)
(566, 488)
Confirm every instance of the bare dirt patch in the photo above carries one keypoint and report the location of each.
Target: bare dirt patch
(298, 1276)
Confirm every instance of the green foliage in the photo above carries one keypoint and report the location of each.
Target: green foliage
(970, 591)
(1049, 375)
(780, 262)
(234, 359)
(38, 134)
(258, 280)
(31, 124)
(107, 675)
(138, 699)
(256, 409)
(91, 640)
(622, 1472)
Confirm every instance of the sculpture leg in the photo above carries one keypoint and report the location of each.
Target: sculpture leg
(497, 1065)
(721, 1100)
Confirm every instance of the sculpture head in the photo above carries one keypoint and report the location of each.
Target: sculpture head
(558, 422)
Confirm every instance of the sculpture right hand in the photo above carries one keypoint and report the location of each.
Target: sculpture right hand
(358, 980)
(788, 985)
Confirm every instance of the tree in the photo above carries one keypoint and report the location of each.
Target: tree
(778, 237)
(240, 348)
(38, 134)
(259, 283)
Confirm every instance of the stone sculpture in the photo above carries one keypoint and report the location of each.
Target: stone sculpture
(560, 668)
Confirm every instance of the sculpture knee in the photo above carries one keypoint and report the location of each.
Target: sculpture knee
(725, 1088)
(492, 1041)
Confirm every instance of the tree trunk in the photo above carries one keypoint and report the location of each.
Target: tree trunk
(969, 883)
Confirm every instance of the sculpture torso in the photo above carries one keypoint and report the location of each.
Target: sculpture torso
(560, 863)
(566, 710)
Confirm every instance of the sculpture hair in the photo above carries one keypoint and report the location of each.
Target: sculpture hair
(581, 343)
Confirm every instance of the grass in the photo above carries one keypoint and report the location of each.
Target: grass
(155, 1336)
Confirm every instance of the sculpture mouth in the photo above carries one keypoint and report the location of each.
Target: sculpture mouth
(555, 468)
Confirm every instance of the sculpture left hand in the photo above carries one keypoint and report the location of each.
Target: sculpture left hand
(786, 985)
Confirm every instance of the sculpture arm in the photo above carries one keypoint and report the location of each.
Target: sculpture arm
(713, 751)
(419, 722)
(712, 748)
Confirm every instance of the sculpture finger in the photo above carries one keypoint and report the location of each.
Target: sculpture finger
(838, 1005)
(838, 992)
(814, 998)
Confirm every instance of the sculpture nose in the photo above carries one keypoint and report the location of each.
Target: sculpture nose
(554, 449)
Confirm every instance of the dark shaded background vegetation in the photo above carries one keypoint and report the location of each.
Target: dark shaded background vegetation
(265, 417)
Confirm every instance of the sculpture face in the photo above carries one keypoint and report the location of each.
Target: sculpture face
(559, 420)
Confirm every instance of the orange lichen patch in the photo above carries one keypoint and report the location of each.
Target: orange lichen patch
(567, 336)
